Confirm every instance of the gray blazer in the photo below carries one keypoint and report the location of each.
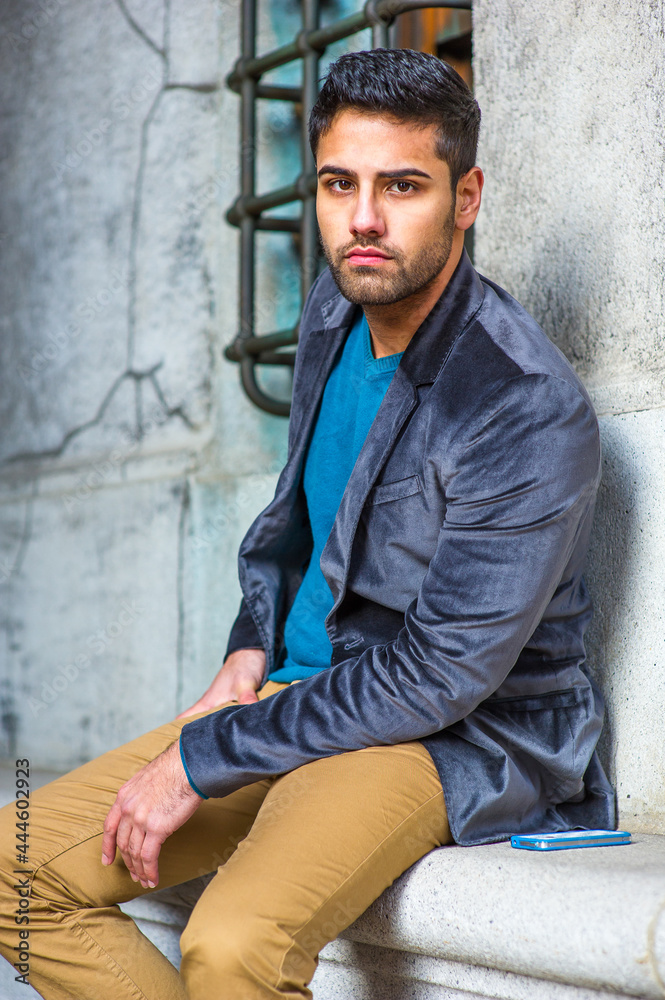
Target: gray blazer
(455, 563)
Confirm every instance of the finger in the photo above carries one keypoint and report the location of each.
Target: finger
(126, 856)
(129, 865)
(110, 831)
(135, 852)
(125, 829)
(152, 845)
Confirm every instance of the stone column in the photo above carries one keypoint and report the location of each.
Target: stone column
(573, 225)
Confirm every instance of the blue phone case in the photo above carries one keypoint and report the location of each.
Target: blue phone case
(570, 839)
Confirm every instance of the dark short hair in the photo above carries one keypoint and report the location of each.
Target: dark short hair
(408, 86)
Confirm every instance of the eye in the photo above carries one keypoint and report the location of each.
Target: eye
(341, 180)
(404, 186)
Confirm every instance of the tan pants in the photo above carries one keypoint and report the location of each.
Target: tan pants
(298, 858)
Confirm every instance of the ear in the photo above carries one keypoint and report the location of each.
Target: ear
(469, 192)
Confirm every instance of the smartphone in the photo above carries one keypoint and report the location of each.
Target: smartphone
(569, 839)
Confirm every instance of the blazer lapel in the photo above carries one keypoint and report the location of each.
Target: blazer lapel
(424, 357)
(398, 402)
(315, 363)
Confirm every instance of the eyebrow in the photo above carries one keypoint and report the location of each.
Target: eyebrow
(329, 168)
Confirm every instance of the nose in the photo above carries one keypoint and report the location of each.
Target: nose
(367, 219)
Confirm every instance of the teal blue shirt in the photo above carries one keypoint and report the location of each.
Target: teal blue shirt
(351, 398)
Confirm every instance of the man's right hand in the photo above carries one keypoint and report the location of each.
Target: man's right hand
(238, 681)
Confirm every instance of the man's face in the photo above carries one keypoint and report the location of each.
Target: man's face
(382, 187)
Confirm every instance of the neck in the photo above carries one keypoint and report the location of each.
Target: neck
(392, 326)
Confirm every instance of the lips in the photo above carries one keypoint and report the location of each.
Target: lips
(366, 255)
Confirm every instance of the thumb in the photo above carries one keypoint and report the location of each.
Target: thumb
(247, 696)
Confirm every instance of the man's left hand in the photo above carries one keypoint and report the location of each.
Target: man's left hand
(149, 808)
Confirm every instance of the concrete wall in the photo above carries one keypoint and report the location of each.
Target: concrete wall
(573, 225)
(131, 462)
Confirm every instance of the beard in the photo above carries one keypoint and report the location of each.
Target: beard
(372, 285)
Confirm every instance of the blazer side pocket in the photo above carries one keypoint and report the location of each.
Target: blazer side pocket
(396, 490)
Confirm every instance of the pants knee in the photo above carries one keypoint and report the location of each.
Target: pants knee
(247, 951)
(221, 948)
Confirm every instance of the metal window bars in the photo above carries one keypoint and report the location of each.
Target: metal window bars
(247, 210)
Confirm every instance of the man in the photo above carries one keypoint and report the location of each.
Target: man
(407, 667)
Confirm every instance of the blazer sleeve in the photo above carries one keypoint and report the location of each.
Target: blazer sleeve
(244, 633)
(520, 480)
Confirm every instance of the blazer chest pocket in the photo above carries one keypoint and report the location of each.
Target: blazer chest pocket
(397, 490)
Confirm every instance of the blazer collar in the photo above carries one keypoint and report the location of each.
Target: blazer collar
(430, 345)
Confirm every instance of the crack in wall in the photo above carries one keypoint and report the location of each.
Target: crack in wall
(167, 34)
(151, 375)
(138, 183)
(24, 540)
(134, 227)
(137, 29)
(211, 341)
(70, 435)
(138, 405)
(9, 717)
(132, 268)
(171, 411)
(180, 596)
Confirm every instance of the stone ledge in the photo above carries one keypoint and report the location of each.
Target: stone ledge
(490, 921)
(355, 971)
